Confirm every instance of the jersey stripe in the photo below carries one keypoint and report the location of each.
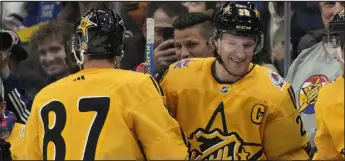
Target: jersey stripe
(292, 96)
(158, 87)
(160, 81)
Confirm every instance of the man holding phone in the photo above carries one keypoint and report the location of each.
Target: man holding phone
(164, 53)
(192, 33)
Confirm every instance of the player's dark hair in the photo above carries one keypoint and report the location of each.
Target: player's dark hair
(58, 30)
(195, 19)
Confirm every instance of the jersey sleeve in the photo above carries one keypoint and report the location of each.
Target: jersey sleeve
(284, 134)
(323, 141)
(159, 134)
(31, 134)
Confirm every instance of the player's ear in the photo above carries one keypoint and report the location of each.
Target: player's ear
(213, 43)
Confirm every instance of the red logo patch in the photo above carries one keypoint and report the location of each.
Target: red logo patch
(183, 63)
(277, 80)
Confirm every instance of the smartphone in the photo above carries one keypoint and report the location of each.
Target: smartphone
(168, 33)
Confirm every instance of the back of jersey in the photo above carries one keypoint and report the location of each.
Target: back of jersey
(89, 116)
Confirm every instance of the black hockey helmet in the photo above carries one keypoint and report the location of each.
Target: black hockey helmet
(335, 37)
(100, 33)
(337, 26)
(239, 18)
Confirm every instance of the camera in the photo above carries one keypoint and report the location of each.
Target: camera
(7, 40)
(10, 42)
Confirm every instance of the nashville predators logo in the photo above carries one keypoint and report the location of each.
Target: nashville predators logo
(218, 144)
(85, 23)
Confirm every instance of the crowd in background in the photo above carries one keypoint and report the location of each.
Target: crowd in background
(45, 61)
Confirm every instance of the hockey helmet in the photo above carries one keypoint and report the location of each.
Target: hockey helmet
(335, 38)
(337, 26)
(239, 18)
(100, 34)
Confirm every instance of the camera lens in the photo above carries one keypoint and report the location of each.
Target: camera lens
(5, 41)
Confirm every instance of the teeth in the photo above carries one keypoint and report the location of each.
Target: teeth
(236, 61)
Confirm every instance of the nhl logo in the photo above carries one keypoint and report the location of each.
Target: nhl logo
(224, 89)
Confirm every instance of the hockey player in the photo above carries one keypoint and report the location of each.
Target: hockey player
(102, 113)
(329, 108)
(229, 108)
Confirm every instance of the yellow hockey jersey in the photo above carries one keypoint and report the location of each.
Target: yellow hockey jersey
(17, 142)
(329, 112)
(102, 114)
(254, 118)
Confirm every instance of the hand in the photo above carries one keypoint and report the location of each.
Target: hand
(278, 52)
(4, 59)
(12, 24)
(164, 56)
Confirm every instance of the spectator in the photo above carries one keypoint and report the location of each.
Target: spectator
(310, 39)
(273, 17)
(136, 12)
(273, 22)
(205, 7)
(12, 129)
(17, 66)
(164, 53)
(49, 42)
(314, 26)
(135, 56)
(191, 35)
(14, 95)
(164, 15)
(311, 70)
(24, 15)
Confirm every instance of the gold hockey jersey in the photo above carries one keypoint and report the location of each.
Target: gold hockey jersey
(254, 118)
(17, 141)
(102, 114)
(329, 112)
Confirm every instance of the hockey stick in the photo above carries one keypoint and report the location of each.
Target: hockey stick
(149, 45)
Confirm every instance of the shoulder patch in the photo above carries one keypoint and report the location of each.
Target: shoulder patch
(183, 63)
(277, 80)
